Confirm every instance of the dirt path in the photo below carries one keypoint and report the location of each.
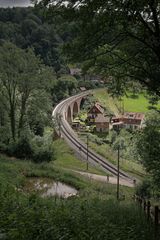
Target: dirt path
(112, 180)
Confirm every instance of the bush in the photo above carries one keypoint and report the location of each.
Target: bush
(22, 149)
(42, 149)
(144, 189)
(38, 149)
(3, 148)
(43, 155)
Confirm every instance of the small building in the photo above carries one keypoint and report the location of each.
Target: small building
(82, 89)
(95, 110)
(102, 123)
(129, 120)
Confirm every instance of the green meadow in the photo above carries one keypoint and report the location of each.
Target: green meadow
(130, 104)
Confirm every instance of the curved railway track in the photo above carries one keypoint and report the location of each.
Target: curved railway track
(80, 147)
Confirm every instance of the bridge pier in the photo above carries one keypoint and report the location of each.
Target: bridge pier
(73, 109)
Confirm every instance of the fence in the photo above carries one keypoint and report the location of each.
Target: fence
(152, 212)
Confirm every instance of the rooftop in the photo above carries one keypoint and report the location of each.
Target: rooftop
(101, 119)
(99, 107)
(133, 115)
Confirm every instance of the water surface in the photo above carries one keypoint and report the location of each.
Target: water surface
(47, 187)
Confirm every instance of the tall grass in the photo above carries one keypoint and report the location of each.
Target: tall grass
(28, 218)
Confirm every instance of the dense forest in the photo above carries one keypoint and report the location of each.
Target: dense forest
(34, 70)
(34, 75)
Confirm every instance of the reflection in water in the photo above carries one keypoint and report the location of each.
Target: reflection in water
(47, 187)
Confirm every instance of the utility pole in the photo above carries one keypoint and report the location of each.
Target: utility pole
(118, 172)
(87, 155)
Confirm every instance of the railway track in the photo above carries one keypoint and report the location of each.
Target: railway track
(80, 147)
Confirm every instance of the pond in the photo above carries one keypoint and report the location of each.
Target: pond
(47, 187)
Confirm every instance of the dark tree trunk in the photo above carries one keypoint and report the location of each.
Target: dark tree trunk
(13, 123)
(21, 119)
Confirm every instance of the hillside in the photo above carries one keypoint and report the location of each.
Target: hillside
(93, 214)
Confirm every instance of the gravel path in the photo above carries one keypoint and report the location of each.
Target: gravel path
(112, 180)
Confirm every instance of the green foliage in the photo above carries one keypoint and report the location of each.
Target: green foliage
(57, 218)
(41, 155)
(73, 219)
(144, 189)
(140, 103)
(22, 148)
(89, 101)
(147, 189)
(153, 101)
(23, 89)
(88, 84)
(25, 27)
(149, 145)
(66, 158)
(39, 149)
(127, 43)
(42, 149)
(127, 141)
(65, 86)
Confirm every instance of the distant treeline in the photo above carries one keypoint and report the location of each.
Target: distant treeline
(26, 27)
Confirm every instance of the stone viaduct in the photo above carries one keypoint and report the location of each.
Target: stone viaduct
(73, 109)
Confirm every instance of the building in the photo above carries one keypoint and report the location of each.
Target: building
(129, 120)
(102, 123)
(82, 89)
(94, 111)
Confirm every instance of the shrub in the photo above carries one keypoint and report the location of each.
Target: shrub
(22, 149)
(3, 148)
(38, 149)
(42, 155)
(42, 149)
(144, 189)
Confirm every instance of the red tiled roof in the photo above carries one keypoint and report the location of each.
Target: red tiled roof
(98, 107)
(129, 118)
(133, 115)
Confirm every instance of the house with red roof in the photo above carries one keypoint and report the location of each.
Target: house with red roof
(95, 110)
(129, 120)
(96, 116)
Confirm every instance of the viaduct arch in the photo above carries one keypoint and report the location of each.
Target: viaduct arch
(73, 109)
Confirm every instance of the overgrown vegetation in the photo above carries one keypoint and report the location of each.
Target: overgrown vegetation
(32, 217)
(95, 207)
(107, 147)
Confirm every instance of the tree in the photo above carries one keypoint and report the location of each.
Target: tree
(65, 86)
(129, 30)
(25, 27)
(153, 100)
(22, 79)
(148, 145)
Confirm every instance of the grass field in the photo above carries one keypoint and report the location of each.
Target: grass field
(65, 158)
(139, 104)
(103, 97)
(130, 104)
(15, 173)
